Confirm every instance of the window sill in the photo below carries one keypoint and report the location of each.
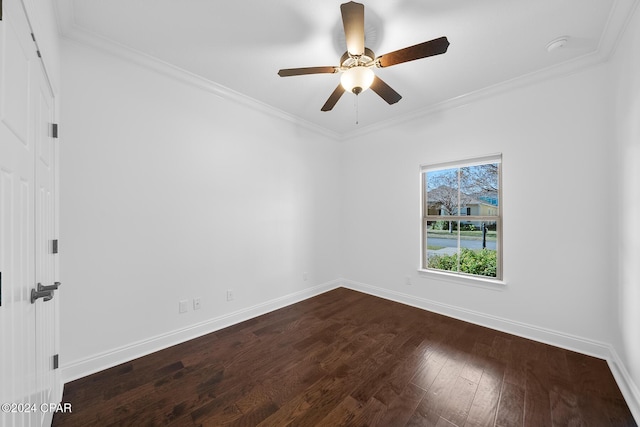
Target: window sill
(478, 282)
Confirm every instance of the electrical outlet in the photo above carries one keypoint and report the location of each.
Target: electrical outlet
(184, 306)
(407, 280)
(229, 294)
(196, 303)
(305, 276)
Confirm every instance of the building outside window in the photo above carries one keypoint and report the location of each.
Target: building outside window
(461, 217)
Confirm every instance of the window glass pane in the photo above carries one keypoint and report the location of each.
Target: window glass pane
(442, 245)
(468, 247)
(479, 189)
(461, 214)
(478, 248)
(442, 192)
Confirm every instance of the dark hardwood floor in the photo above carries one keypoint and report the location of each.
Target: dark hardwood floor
(349, 359)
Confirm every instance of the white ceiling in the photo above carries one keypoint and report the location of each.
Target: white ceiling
(240, 45)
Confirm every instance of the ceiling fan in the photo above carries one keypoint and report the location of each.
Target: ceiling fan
(357, 62)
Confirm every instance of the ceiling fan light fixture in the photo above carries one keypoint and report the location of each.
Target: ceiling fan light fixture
(357, 79)
(356, 63)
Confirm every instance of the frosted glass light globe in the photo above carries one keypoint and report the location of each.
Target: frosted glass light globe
(357, 79)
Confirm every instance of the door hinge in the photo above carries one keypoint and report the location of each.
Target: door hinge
(54, 130)
(56, 361)
(54, 246)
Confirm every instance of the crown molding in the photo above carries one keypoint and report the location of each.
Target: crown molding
(615, 27)
(556, 71)
(621, 15)
(617, 22)
(76, 34)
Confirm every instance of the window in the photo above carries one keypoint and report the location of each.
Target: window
(461, 217)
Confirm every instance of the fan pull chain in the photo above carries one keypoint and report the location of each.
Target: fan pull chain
(357, 111)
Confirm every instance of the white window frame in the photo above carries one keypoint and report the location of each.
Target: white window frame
(460, 277)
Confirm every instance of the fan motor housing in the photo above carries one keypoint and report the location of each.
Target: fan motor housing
(349, 61)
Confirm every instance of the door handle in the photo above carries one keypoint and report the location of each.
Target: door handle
(35, 295)
(45, 292)
(51, 288)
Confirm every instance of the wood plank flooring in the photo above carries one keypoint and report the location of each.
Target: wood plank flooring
(345, 358)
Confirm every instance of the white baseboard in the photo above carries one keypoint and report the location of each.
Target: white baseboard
(87, 366)
(98, 362)
(627, 386)
(558, 339)
(547, 336)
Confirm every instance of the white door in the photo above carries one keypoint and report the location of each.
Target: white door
(45, 232)
(28, 331)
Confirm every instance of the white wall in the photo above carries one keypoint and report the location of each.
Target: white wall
(625, 81)
(555, 138)
(169, 193)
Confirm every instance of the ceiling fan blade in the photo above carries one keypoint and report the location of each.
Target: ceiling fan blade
(353, 22)
(333, 99)
(287, 72)
(411, 53)
(385, 91)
